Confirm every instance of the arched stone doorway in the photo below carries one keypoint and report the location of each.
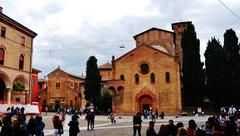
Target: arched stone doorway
(56, 105)
(2, 90)
(145, 103)
(145, 99)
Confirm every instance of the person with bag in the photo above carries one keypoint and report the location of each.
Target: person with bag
(57, 125)
(73, 124)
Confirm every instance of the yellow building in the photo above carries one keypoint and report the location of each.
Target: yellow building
(147, 77)
(16, 45)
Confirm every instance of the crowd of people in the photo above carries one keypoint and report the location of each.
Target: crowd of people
(225, 124)
(14, 123)
(17, 125)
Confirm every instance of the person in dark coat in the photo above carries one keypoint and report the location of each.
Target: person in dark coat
(172, 129)
(31, 126)
(92, 120)
(150, 130)
(137, 121)
(73, 124)
(17, 129)
(88, 118)
(39, 126)
(7, 129)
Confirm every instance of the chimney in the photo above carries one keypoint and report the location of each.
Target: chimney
(1, 9)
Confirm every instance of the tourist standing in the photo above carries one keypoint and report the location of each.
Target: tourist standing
(7, 129)
(88, 118)
(191, 128)
(232, 111)
(73, 124)
(137, 124)
(112, 118)
(31, 126)
(39, 125)
(172, 129)
(57, 125)
(92, 120)
(17, 129)
(150, 130)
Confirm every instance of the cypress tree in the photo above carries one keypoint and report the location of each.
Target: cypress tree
(192, 68)
(92, 83)
(215, 64)
(231, 48)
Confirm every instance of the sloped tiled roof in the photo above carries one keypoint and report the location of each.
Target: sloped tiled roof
(73, 75)
(153, 28)
(106, 66)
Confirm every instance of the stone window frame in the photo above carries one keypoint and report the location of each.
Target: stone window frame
(152, 78)
(140, 67)
(3, 32)
(136, 79)
(167, 77)
(21, 62)
(3, 55)
(122, 77)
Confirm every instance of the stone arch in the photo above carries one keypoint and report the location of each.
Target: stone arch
(112, 90)
(120, 89)
(145, 103)
(22, 79)
(120, 93)
(6, 79)
(145, 93)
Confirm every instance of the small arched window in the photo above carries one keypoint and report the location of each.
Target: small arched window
(122, 77)
(152, 76)
(2, 54)
(167, 76)
(21, 62)
(136, 79)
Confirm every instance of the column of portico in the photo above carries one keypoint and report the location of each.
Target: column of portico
(9, 95)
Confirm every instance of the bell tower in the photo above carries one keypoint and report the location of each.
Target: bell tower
(178, 29)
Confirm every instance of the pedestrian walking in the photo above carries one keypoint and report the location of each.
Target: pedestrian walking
(57, 125)
(137, 124)
(73, 124)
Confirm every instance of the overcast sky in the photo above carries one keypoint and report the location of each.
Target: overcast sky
(69, 31)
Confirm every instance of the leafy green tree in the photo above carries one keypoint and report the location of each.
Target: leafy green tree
(105, 102)
(215, 64)
(231, 48)
(92, 83)
(192, 68)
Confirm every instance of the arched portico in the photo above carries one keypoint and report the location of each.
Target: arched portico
(5, 88)
(145, 99)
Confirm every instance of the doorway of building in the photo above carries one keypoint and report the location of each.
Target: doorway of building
(146, 107)
(57, 105)
(145, 103)
(2, 89)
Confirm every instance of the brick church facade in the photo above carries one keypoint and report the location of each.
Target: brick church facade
(147, 77)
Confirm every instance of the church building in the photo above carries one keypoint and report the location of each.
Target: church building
(148, 76)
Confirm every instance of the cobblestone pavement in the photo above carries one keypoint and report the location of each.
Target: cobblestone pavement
(123, 127)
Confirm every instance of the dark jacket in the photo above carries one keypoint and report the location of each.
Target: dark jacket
(74, 129)
(137, 121)
(7, 130)
(151, 132)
